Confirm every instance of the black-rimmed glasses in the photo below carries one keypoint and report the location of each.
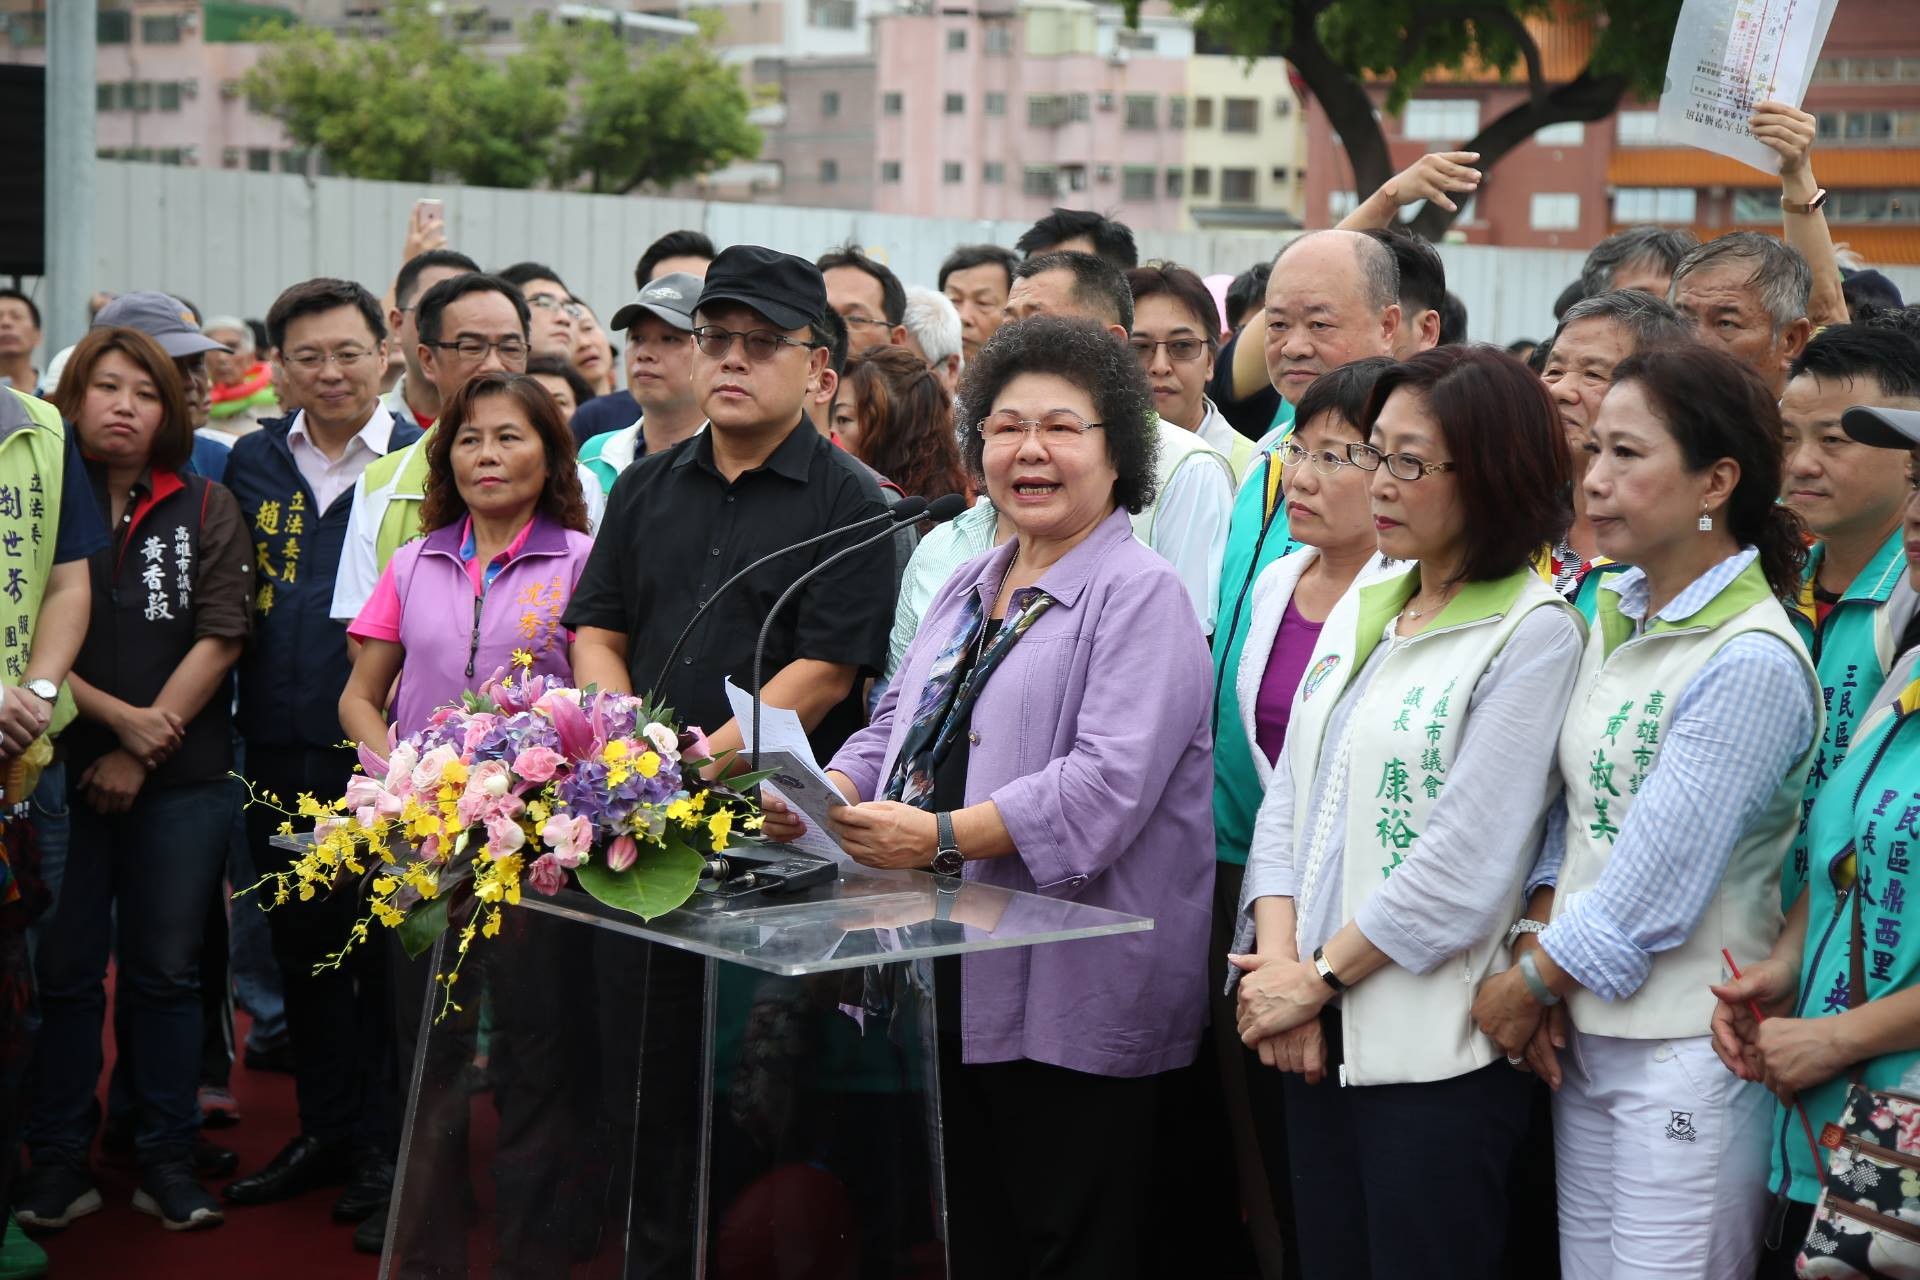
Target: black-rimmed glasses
(761, 344)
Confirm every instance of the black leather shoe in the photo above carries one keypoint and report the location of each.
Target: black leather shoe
(302, 1165)
(371, 1188)
(277, 1057)
(371, 1235)
(211, 1160)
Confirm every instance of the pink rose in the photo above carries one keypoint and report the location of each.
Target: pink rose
(504, 836)
(622, 853)
(698, 749)
(568, 839)
(537, 764)
(487, 787)
(547, 875)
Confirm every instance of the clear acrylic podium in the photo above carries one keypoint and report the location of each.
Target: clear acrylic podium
(743, 1088)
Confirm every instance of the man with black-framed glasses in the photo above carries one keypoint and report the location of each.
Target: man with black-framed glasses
(758, 478)
(553, 309)
(414, 398)
(467, 325)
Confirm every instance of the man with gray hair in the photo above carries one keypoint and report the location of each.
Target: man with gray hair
(1594, 337)
(1640, 258)
(1747, 293)
(933, 333)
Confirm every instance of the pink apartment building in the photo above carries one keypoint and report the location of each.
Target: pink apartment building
(1004, 112)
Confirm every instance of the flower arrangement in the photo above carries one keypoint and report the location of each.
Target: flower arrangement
(518, 785)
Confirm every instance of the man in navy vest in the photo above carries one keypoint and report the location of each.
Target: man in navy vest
(294, 479)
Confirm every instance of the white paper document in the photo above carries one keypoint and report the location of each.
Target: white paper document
(1729, 55)
(798, 778)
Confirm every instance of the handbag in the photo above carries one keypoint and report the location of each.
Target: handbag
(1866, 1224)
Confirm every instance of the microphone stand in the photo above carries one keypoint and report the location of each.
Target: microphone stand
(896, 514)
(760, 647)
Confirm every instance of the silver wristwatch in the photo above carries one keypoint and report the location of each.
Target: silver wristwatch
(45, 690)
(1524, 926)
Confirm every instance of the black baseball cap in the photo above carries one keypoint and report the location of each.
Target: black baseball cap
(1884, 428)
(787, 290)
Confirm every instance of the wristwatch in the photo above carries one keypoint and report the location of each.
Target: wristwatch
(947, 858)
(1325, 970)
(45, 690)
(1524, 926)
(1794, 206)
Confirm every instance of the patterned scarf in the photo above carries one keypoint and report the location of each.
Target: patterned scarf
(948, 696)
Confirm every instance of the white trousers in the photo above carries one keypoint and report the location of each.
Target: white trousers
(1662, 1162)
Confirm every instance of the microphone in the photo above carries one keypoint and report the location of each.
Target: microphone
(905, 510)
(941, 509)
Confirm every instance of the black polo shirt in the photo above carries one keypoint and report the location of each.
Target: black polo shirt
(675, 529)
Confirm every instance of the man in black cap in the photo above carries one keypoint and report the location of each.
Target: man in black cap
(759, 478)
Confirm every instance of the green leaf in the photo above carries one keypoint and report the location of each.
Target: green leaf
(659, 881)
(423, 924)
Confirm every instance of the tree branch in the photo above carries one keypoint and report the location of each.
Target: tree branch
(1342, 94)
(1585, 98)
(1529, 47)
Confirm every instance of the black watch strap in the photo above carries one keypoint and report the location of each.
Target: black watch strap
(947, 858)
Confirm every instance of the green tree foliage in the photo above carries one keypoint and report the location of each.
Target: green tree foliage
(420, 104)
(1339, 46)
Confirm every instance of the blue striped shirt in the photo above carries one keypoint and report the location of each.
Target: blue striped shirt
(1741, 723)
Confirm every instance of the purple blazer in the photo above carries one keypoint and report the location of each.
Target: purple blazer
(1094, 738)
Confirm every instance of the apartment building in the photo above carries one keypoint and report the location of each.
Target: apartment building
(1246, 145)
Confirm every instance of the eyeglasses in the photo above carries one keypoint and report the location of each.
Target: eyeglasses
(1326, 461)
(547, 302)
(1401, 466)
(862, 321)
(1061, 427)
(761, 344)
(477, 348)
(314, 361)
(1181, 349)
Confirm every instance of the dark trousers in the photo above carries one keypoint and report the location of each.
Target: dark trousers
(1787, 1227)
(1391, 1181)
(157, 864)
(338, 1018)
(1047, 1170)
(1247, 1117)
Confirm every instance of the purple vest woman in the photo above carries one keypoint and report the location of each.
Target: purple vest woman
(505, 542)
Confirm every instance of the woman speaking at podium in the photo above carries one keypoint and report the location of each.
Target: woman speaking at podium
(1049, 732)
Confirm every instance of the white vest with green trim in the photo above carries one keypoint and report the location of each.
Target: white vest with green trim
(1611, 741)
(1178, 448)
(33, 459)
(1391, 766)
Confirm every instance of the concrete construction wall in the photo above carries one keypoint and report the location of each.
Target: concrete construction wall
(229, 240)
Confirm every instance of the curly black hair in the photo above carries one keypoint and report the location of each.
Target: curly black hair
(1085, 354)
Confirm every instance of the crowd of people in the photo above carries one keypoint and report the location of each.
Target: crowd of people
(1501, 741)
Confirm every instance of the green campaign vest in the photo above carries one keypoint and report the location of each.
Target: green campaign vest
(1864, 829)
(1852, 653)
(33, 457)
(1257, 535)
(402, 474)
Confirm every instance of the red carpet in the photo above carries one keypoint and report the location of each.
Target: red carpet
(291, 1241)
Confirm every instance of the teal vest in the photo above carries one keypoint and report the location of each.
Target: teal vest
(1852, 652)
(1256, 537)
(1864, 828)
